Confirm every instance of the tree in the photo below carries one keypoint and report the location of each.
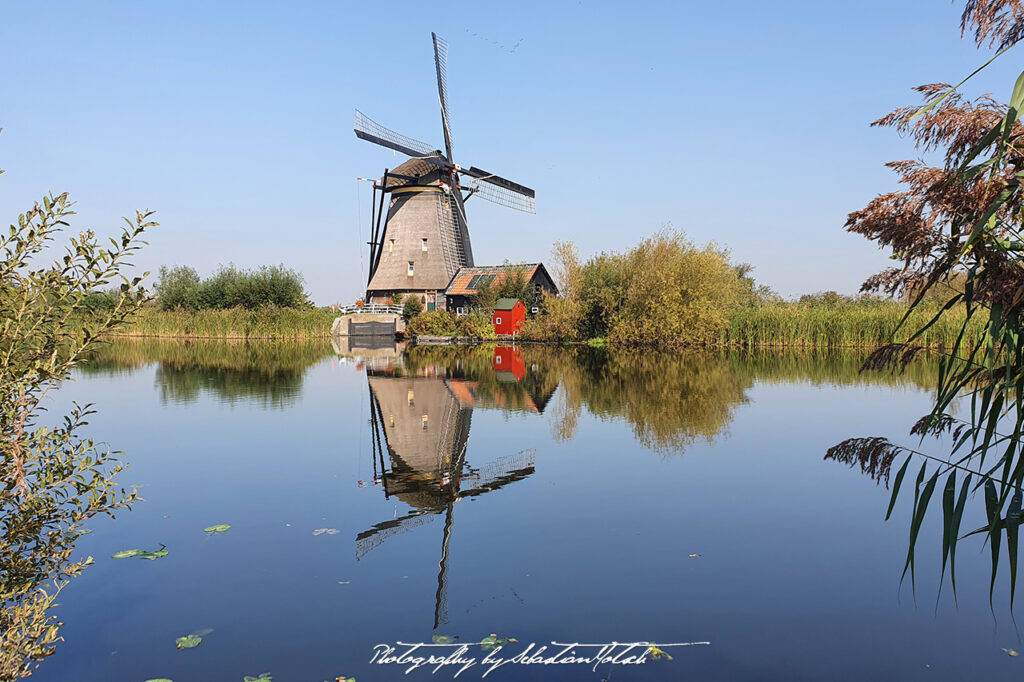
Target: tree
(960, 223)
(52, 480)
(411, 308)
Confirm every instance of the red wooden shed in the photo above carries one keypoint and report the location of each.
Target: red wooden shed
(508, 317)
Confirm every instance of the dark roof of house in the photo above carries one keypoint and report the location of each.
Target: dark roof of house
(467, 280)
(506, 303)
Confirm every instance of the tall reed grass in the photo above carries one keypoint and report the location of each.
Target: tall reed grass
(847, 324)
(235, 323)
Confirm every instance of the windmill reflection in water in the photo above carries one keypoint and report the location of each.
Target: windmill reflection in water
(420, 430)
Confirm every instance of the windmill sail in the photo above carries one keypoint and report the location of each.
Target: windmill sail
(441, 64)
(371, 131)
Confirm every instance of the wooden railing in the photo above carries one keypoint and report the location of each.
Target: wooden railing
(371, 309)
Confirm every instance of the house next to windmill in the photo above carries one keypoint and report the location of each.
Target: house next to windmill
(419, 242)
(460, 293)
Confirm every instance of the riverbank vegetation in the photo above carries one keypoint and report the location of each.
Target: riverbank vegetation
(669, 292)
(961, 219)
(180, 288)
(54, 479)
(268, 322)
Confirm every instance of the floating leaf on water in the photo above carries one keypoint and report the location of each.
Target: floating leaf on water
(657, 653)
(264, 677)
(188, 641)
(326, 531)
(160, 679)
(125, 553)
(492, 642)
(344, 679)
(443, 639)
(219, 528)
(153, 555)
(1011, 652)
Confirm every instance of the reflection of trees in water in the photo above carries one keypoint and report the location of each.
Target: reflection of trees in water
(269, 373)
(670, 400)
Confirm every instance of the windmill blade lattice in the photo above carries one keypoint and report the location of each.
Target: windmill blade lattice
(369, 539)
(371, 131)
(500, 195)
(441, 64)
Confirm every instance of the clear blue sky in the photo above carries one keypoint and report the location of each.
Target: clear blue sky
(743, 123)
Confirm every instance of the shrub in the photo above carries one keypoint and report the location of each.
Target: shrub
(411, 308)
(476, 323)
(229, 287)
(178, 288)
(432, 323)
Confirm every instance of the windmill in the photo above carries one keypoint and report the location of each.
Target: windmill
(424, 430)
(422, 240)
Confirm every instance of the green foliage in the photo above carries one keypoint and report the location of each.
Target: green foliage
(229, 287)
(664, 291)
(475, 323)
(52, 480)
(178, 288)
(411, 308)
(219, 528)
(432, 323)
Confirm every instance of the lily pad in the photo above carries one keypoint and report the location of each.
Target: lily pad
(219, 528)
(443, 639)
(264, 677)
(125, 553)
(188, 641)
(326, 531)
(160, 679)
(492, 642)
(153, 555)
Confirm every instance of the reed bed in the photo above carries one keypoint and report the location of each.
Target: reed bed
(844, 325)
(234, 323)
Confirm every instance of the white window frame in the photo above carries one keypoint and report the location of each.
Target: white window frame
(411, 269)
(424, 243)
(497, 320)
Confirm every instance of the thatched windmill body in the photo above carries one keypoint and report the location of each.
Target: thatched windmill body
(422, 238)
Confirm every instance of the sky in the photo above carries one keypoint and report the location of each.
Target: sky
(745, 124)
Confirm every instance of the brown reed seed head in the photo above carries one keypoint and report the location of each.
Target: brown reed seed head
(875, 456)
(997, 23)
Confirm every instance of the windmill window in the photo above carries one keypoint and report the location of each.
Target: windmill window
(410, 268)
(425, 420)
(424, 243)
(391, 246)
(497, 320)
(410, 396)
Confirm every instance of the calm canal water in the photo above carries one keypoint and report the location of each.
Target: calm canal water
(534, 493)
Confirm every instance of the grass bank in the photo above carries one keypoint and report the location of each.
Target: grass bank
(234, 323)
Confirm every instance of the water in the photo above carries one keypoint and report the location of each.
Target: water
(541, 494)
